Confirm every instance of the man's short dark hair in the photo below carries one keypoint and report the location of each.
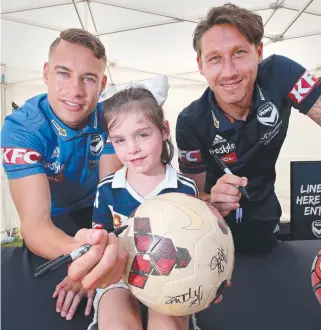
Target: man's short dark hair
(248, 23)
(84, 38)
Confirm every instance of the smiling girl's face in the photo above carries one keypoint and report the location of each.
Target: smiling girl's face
(138, 142)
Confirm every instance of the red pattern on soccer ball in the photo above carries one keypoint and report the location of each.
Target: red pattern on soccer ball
(156, 255)
(316, 276)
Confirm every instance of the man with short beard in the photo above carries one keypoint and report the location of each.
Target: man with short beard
(242, 118)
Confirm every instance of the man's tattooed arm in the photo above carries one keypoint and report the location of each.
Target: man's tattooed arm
(315, 112)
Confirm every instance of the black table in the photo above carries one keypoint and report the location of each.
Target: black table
(270, 292)
(27, 303)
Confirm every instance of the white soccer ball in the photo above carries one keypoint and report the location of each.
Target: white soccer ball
(181, 254)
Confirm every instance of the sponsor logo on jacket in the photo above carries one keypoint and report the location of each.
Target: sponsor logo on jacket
(20, 156)
(303, 87)
(268, 114)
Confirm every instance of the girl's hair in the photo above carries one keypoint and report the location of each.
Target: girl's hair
(134, 99)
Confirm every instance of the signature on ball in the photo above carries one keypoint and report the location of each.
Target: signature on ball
(218, 260)
(192, 296)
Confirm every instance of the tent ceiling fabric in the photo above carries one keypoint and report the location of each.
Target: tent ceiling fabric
(148, 37)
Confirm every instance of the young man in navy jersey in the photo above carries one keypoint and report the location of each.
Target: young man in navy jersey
(54, 148)
(242, 118)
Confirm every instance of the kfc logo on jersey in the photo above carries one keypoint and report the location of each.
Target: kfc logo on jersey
(303, 87)
(187, 156)
(20, 156)
(96, 225)
(229, 158)
(96, 144)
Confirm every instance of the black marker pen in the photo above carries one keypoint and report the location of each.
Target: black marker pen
(227, 171)
(68, 258)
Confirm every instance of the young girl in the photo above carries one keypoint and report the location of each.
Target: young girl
(140, 135)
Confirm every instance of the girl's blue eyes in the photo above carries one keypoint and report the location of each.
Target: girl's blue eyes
(141, 135)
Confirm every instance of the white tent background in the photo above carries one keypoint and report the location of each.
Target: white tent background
(145, 38)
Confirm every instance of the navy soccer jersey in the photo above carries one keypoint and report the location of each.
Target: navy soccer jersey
(116, 199)
(35, 141)
(251, 147)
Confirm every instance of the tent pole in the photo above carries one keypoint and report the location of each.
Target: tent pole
(20, 9)
(141, 10)
(307, 11)
(305, 6)
(95, 27)
(23, 21)
(91, 15)
(78, 14)
(139, 27)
